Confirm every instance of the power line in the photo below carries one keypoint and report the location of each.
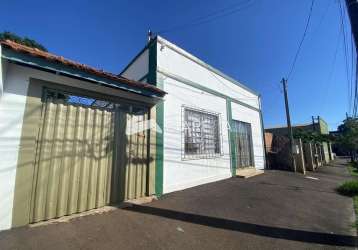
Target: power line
(346, 57)
(324, 15)
(330, 74)
(355, 106)
(223, 12)
(302, 39)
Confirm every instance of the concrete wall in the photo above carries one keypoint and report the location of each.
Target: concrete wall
(175, 68)
(308, 150)
(325, 152)
(299, 157)
(139, 67)
(175, 60)
(244, 114)
(12, 105)
(180, 174)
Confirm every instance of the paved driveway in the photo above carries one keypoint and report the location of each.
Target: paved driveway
(276, 210)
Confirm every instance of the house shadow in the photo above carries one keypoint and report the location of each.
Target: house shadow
(251, 228)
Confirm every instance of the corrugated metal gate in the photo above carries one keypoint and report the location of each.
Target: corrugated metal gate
(131, 173)
(86, 158)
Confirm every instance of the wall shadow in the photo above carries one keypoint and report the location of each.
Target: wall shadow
(245, 227)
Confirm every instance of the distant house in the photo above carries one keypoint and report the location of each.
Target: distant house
(317, 125)
(74, 138)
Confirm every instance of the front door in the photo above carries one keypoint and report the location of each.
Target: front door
(243, 144)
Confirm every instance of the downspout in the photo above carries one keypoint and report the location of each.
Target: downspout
(263, 133)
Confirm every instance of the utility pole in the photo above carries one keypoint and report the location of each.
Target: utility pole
(289, 127)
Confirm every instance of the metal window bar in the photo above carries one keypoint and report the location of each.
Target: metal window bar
(88, 101)
(201, 134)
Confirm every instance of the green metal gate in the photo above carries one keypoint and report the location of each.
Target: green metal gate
(87, 157)
(74, 160)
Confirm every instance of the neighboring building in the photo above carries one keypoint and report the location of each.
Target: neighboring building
(197, 146)
(317, 125)
(60, 124)
(74, 138)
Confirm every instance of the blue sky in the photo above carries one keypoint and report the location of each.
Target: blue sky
(255, 45)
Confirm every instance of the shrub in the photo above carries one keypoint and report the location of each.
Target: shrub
(22, 40)
(354, 164)
(349, 188)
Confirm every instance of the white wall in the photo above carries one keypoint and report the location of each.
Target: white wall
(1, 73)
(138, 68)
(12, 106)
(175, 66)
(180, 174)
(3, 69)
(244, 114)
(179, 62)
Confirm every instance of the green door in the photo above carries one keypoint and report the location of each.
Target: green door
(90, 153)
(244, 147)
(73, 160)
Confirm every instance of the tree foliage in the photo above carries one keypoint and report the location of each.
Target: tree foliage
(21, 40)
(311, 136)
(348, 135)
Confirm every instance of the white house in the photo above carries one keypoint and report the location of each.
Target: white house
(212, 124)
(74, 138)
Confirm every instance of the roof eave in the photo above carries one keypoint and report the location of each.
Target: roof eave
(40, 63)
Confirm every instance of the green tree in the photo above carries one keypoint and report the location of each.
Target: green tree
(7, 35)
(311, 136)
(348, 136)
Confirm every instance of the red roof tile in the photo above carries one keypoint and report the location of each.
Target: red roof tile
(59, 59)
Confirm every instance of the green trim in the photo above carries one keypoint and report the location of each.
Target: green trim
(203, 88)
(232, 144)
(152, 64)
(159, 152)
(57, 68)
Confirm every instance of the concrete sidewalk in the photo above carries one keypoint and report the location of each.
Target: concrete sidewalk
(276, 210)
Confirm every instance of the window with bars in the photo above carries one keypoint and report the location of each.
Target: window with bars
(201, 134)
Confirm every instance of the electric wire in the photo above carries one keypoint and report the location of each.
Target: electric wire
(302, 39)
(346, 56)
(332, 69)
(223, 12)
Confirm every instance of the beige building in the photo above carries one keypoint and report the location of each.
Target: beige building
(314, 154)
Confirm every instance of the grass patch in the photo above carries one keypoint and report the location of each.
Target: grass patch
(353, 169)
(355, 205)
(349, 188)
